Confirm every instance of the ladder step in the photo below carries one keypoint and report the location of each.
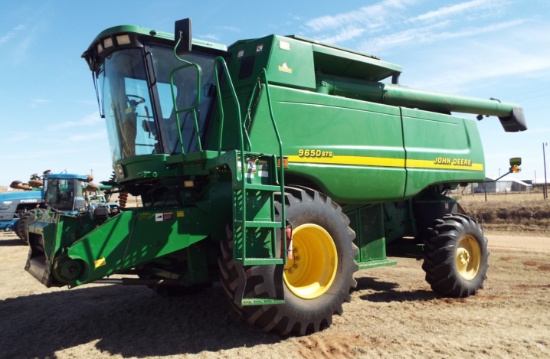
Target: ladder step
(259, 261)
(260, 301)
(259, 224)
(259, 187)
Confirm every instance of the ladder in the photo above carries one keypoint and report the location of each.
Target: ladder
(256, 179)
(254, 221)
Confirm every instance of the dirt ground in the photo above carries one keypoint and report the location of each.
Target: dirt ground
(393, 314)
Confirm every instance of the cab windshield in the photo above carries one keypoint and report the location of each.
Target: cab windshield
(61, 193)
(136, 101)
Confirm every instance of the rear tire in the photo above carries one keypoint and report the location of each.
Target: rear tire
(456, 257)
(317, 281)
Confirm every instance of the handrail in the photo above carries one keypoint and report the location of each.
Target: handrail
(186, 109)
(220, 104)
(281, 179)
(241, 141)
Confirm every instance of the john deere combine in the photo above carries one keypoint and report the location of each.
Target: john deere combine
(278, 166)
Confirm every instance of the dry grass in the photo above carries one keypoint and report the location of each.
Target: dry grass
(527, 213)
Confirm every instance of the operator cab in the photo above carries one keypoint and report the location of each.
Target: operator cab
(64, 193)
(139, 94)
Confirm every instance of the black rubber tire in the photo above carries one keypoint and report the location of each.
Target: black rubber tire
(456, 257)
(298, 316)
(26, 219)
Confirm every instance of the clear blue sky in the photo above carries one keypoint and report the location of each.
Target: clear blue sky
(483, 48)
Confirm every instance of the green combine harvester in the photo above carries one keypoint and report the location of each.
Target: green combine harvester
(278, 166)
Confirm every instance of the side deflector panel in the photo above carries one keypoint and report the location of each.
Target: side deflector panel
(440, 148)
(352, 150)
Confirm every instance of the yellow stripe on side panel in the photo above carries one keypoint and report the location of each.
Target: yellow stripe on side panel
(350, 160)
(386, 162)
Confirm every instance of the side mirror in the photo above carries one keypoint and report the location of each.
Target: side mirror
(183, 35)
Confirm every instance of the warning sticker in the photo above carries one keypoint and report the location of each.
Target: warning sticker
(162, 217)
(168, 216)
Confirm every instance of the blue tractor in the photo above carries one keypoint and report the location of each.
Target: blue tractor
(60, 192)
(14, 205)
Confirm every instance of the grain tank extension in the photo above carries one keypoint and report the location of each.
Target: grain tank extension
(278, 166)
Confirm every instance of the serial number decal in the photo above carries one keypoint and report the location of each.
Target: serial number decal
(453, 161)
(314, 153)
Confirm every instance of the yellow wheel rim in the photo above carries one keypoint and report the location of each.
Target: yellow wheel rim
(468, 257)
(311, 271)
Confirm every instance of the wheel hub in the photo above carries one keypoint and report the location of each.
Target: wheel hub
(463, 256)
(311, 271)
(468, 257)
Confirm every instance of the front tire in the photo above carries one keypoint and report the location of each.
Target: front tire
(26, 219)
(317, 281)
(456, 257)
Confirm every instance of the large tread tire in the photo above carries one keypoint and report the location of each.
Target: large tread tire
(19, 227)
(456, 257)
(298, 315)
(26, 219)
